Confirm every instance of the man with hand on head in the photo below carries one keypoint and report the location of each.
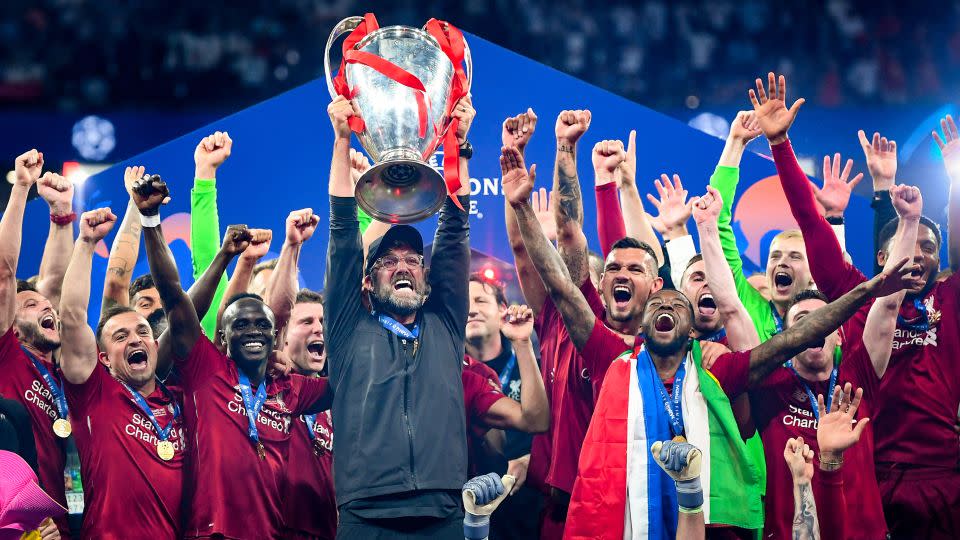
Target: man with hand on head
(128, 425)
(310, 508)
(237, 415)
(32, 335)
(399, 467)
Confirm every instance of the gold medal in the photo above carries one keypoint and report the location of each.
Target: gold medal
(260, 450)
(679, 438)
(61, 427)
(318, 448)
(165, 450)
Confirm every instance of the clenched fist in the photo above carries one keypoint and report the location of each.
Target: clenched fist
(149, 194)
(28, 167)
(210, 153)
(57, 191)
(300, 225)
(95, 224)
(571, 125)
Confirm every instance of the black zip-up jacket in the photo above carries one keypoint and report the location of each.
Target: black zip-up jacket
(399, 414)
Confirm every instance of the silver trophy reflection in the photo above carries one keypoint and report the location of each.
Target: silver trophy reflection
(403, 126)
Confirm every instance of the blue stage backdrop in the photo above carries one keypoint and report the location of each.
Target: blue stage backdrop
(281, 159)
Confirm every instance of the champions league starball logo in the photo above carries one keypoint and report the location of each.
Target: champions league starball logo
(94, 138)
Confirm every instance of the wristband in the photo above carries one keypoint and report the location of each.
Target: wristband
(63, 219)
(835, 220)
(150, 221)
(831, 465)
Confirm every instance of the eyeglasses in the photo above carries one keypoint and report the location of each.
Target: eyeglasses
(391, 262)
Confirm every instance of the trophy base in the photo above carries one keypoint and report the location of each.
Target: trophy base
(401, 191)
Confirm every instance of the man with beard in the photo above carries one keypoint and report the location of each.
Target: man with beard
(572, 381)
(918, 398)
(656, 392)
(236, 414)
(128, 427)
(397, 467)
(310, 509)
(30, 375)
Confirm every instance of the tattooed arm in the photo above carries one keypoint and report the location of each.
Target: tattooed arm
(571, 241)
(570, 302)
(123, 253)
(810, 330)
(799, 458)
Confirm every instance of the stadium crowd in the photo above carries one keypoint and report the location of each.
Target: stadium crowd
(83, 54)
(649, 391)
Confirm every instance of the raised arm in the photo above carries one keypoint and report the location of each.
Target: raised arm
(58, 192)
(834, 196)
(608, 158)
(725, 178)
(950, 149)
(208, 156)
(125, 249)
(149, 193)
(517, 131)
(451, 244)
(78, 350)
(284, 283)
(570, 302)
(815, 327)
(673, 213)
(27, 171)
(832, 273)
(571, 242)
(881, 156)
(636, 221)
(799, 458)
(532, 414)
(741, 333)
(882, 319)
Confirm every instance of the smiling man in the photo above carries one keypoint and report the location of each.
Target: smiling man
(236, 414)
(31, 336)
(127, 424)
(400, 454)
(310, 508)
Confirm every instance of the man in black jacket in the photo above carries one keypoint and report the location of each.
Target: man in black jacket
(400, 452)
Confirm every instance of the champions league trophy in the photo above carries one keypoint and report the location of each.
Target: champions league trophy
(404, 83)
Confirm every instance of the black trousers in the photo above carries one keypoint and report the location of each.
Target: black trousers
(353, 527)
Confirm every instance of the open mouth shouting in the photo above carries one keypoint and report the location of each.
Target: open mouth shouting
(48, 322)
(706, 305)
(315, 349)
(665, 322)
(782, 282)
(622, 294)
(137, 359)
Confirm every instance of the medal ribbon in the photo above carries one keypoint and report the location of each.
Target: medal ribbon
(810, 395)
(671, 403)
(923, 319)
(58, 396)
(162, 434)
(777, 319)
(716, 337)
(252, 405)
(508, 371)
(392, 325)
(310, 420)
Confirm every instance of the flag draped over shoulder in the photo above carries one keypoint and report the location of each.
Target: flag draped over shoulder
(620, 492)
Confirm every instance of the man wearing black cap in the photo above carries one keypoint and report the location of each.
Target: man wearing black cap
(400, 454)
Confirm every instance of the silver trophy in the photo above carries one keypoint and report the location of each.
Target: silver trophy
(400, 187)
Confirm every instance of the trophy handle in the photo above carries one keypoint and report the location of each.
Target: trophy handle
(469, 61)
(343, 27)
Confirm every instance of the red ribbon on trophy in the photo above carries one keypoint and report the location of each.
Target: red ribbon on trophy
(451, 43)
